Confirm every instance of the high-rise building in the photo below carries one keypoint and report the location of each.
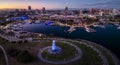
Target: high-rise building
(29, 7)
(37, 11)
(43, 10)
(85, 11)
(66, 11)
(100, 12)
(66, 8)
(91, 11)
(115, 11)
(81, 12)
(16, 10)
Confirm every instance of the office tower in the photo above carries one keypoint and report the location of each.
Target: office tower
(29, 7)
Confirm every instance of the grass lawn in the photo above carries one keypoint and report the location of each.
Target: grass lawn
(2, 60)
(90, 57)
(108, 56)
(67, 53)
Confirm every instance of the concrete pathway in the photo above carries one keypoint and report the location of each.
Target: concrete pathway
(104, 59)
(5, 55)
(78, 55)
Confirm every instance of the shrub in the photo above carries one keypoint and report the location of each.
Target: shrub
(25, 57)
(13, 52)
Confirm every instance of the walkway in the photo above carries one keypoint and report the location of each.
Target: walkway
(78, 56)
(105, 61)
(5, 55)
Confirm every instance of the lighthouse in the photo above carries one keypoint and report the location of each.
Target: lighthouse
(54, 45)
(54, 48)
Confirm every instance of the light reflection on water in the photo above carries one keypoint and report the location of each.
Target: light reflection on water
(108, 36)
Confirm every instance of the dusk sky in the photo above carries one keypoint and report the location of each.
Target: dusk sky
(56, 4)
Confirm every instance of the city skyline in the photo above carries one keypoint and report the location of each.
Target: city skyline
(59, 32)
(59, 4)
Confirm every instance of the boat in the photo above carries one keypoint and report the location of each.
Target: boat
(89, 29)
(37, 22)
(71, 29)
(29, 22)
(21, 26)
(15, 25)
(53, 24)
(22, 22)
(95, 25)
(16, 28)
(117, 24)
(118, 27)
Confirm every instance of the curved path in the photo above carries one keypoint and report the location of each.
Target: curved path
(78, 56)
(5, 55)
(105, 61)
(115, 59)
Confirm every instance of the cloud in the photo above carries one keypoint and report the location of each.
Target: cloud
(106, 4)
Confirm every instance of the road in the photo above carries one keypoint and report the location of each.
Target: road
(5, 55)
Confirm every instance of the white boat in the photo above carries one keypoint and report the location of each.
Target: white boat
(118, 27)
(21, 26)
(89, 29)
(29, 22)
(23, 22)
(16, 28)
(95, 25)
(116, 24)
(71, 29)
(37, 21)
(53, 24)
(15, 25)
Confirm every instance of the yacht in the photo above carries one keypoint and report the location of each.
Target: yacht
(89, 29)
(95, 25)
(118, 27)
(37, 21)
(20, 25)
(29, 22)
(98, 25)
(71, 29)
(53, 24)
